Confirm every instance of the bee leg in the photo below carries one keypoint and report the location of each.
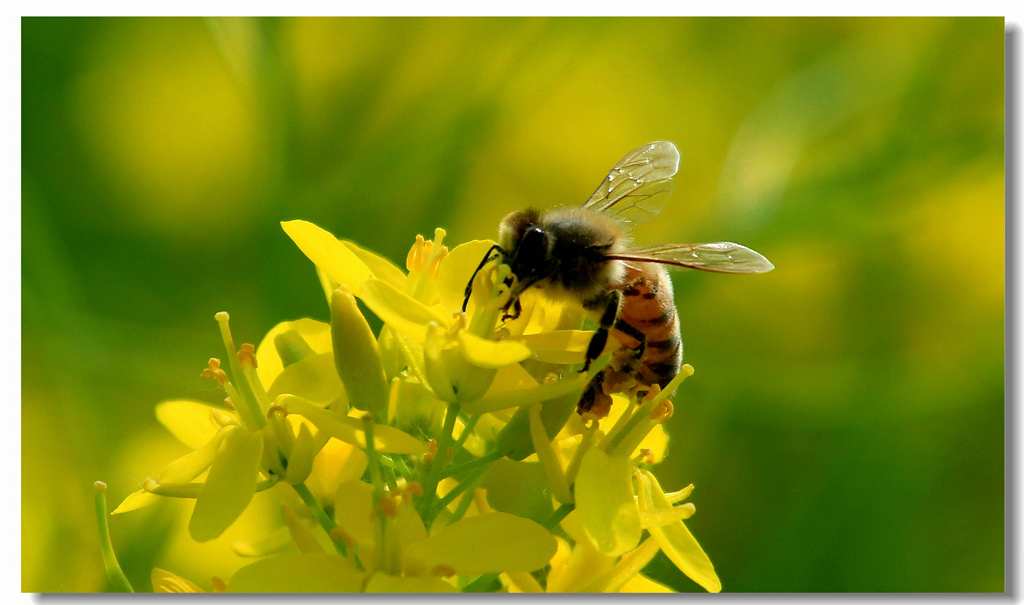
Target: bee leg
(594, 399)
(517, 310)
(611, 305)
(486, 259)
(629, 330)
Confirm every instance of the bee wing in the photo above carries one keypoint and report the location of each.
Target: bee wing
(639, 186)
(722, 257)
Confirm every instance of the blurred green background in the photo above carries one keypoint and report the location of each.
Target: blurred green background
(844, 427)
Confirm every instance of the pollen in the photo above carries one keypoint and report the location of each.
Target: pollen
(247, 354)
(213, 371)
(218, 584)
(431, 451)
(388, 506)
(414, 488)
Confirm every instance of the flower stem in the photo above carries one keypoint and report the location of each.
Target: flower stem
(118, 580)
(470, 482)
(486, 459)
(321, 516)
(556, 517)
(434, 473)
(486, 583)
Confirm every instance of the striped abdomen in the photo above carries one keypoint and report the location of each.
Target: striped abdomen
(648, 308)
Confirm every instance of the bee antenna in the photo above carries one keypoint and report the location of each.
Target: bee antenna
(486, 259)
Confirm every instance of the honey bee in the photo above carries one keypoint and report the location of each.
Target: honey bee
(584, 255)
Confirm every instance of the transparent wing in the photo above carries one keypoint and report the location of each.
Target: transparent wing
(722, 257)
(639, 186)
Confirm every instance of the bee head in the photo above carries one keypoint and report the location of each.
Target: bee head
(527, 245)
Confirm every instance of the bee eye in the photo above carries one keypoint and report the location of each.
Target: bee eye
(533, 248)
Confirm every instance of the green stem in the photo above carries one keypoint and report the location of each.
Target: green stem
(556, 517)
(486, 583)
(434, 474)
(450, 497)
(321, 516)
(467, 498)
(466, 431)
(118, 581)
(486, 459)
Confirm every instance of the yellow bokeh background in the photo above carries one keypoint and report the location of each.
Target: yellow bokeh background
(844, 427)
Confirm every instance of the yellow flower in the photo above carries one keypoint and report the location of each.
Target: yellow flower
(376, 445)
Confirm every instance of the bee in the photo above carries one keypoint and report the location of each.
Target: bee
(583, 254)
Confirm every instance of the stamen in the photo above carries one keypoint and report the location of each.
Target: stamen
(431, 451)
(213, 371)
(337, 533)
(388, 506)
(228, 403)
(414, 488)
(417, 257)
(218, 584)
(247, 354)
(443, 570)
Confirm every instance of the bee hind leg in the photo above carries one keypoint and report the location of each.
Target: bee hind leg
(594, 399)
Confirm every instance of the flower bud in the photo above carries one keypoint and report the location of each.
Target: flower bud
(357, 356)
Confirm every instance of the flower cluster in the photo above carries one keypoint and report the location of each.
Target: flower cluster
(386, 450)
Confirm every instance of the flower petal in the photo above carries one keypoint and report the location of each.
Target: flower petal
(300, 461)
(387, 439)
(399, 310)
(488, 543)
(192, 422)
(229, 486)
(317, 335)
(521, 397)
(382, 582)
(455, 270)
(314, 379)
(491, 353)
(382, 268)
(605, 503)
(639, 583)
(332, 256)
(675, 540)
(336, 463)
(298, 573)
(353, 509)
(560, 346)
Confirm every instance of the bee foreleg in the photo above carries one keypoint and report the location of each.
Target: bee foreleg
(486, 259)
(517, 310)
(600, 337)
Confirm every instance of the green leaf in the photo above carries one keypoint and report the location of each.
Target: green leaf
(230, 485)
(313, 572)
